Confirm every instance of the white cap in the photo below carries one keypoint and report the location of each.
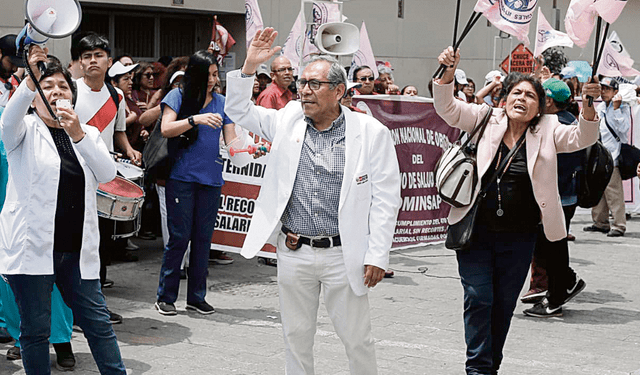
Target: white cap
(461, 77)
(262, 69)
(491, 76)
(119, 69)
(176, 75)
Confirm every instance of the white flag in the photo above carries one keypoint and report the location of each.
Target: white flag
(364, 55)
(511, 16)
(580, 21)
(547, 36)
(298, 43)
(253, 19)
(614, 63)
(617, 44)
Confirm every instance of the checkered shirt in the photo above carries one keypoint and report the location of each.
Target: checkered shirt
(313, 207)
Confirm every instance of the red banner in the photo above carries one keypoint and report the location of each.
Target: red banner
(419, 135)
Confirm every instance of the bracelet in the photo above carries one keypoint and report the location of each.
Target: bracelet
(191, 121)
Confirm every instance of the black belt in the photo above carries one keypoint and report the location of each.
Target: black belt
(323, 242)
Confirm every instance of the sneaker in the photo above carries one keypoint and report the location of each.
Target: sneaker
(577, 288)
(108, 283)
(571, 237)
(221, 258)
(615, 233)
(166, 308)
(533, 296)
(594, 228)
(543, 310)
(147, 236)
(389, 274)
(131, 246)
(13, 354)
(114, 318)
(202, 307)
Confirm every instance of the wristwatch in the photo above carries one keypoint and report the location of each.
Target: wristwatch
(191, 121)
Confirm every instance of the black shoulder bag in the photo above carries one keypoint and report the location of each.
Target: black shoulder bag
(629, 157)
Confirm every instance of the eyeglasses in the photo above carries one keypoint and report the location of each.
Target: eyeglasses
(289, 69)
(365, 79)
(314, 84)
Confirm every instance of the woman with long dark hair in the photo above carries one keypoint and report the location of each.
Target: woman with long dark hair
(523, 196)
(193, 119)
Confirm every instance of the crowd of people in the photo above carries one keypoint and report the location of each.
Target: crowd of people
(342, 190)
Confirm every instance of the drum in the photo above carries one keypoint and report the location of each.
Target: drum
(130, 171)
(119, 199)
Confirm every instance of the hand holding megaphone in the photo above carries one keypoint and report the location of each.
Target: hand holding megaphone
(37, 56)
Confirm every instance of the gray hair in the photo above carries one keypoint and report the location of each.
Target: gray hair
(336, 74)
(383, 69)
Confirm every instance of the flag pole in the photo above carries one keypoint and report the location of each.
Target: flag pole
(604, 40)
(596, 47)
(475, 16)
(455, 24)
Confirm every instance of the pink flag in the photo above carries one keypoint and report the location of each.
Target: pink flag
(609, 10)
(614, 63)
(547, 36)
(298, 43)
(511, 16)
(364, 55)
(253, 19)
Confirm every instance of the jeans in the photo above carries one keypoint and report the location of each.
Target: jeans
(192, 209)
(554, 258)
(492, 273)
(33, 295)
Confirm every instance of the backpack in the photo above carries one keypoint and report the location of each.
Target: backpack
(114, 97)
(596, 172)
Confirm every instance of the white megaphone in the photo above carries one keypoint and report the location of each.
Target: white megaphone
(337, 38)
(48, 19)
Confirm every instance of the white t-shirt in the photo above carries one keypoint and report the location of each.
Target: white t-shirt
(96, 108)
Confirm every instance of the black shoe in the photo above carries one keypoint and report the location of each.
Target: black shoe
(65, 360)
(593, 228)
(615, 233)
(13, 354)
(534, 296)
(115, 318)
(131, 246)
(577, 288)
(543, 310)
(108, 283)
(5, 337)
(202, 307)
(126, 257)
(166, 308)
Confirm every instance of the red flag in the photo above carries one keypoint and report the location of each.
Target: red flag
(221, 41)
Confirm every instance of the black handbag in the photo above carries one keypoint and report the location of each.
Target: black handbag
(629, 157)
(155, 154)
(460, 234)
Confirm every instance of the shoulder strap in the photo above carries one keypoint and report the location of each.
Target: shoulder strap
(480, 128)
(503, 165)
(113, 93)
(613, 132)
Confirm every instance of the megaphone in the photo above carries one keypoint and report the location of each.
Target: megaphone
(48, 19)
(337, 38)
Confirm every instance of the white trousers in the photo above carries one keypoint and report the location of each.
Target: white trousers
(302, 274)
(162, 197)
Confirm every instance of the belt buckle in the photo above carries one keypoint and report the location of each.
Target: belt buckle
(321, 240)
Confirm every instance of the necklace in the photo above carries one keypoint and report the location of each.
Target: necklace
(500, 211)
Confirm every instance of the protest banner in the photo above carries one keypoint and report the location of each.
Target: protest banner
(419, 135)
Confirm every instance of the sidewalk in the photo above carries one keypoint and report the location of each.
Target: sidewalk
(416, 317)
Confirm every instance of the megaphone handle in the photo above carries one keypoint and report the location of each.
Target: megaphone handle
(42, 66)
(36, 83)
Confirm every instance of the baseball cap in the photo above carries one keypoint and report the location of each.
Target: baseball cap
(461, 77)
(557, 90)
(491, 75)
(568, 72)
(609, 81)
(262, 69)
(119, 69)
(8, 48)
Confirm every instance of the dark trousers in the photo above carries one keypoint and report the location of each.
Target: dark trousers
(554, 258)
(492, 273)
(192, 209)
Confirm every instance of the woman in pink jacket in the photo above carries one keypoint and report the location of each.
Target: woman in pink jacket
(524, 196)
